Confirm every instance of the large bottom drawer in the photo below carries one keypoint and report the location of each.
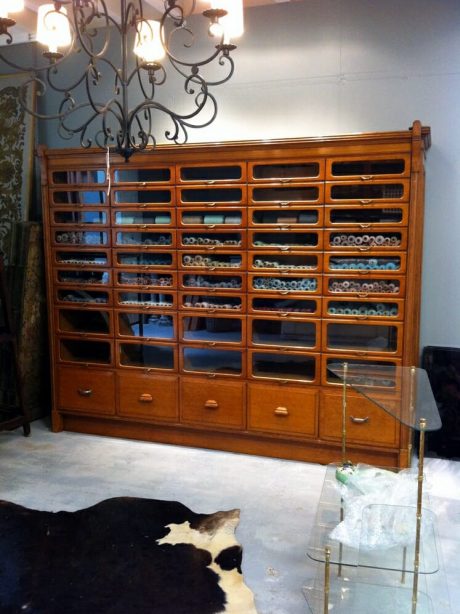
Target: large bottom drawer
(148, 396)
(87, 390)
(215, 403)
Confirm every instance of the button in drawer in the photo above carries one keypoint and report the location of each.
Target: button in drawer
(147, 396)
(218, 403)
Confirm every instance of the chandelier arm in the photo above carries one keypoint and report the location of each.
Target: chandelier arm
(81, 22)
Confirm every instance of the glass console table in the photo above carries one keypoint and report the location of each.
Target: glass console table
(357, 576)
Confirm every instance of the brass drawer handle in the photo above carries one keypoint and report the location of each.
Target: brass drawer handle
(362, 317)
(211, 343)
(281, 411)
(362, 225)
(367, 177)
(285, 180)
(211, 204)
(211, 404)
(210, 181)
(366, 201)
(285, 314)
(210, 226)
(363, 294)
(284, 203)
(284, 248)
(284, 228)
(359, 420)
(145, 398)
(364, 248)
(210, 248)
(85, 392)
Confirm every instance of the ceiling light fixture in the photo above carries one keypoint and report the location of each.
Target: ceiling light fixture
(88, 59)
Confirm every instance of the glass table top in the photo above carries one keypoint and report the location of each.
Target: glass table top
(403, 392)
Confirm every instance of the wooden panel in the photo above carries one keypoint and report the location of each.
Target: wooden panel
(282, 410)
(216, 403)
(86, 390)
(148, 397)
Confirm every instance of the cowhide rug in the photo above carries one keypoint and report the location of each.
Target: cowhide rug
(124, 555)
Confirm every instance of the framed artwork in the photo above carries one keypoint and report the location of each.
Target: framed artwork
(17, 140)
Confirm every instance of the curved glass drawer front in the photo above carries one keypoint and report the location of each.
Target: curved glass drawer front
(283, 333)
(213, 302)
(366, 239)
(89, 217)
(284, 366)
(365, 286)
(214, 261)
(291, 284)
(213, 282)
(411, 400)
(79, 176)
(82, 296)
(212, 360)
(291, 262)
(143, 218)
(370, 337)
(145, 279)
(144, 259)
(216, 239)
(293, 216)
(285, 170)
(79, 237)
(284, 305)
(369, 191)
(83, 277)
(82, 258)
(151, 325)
(146, 356)
(361, 308)
(363, 263)
(374, 215)
(288, 194)
(374, 373)
(79, 197)
(87, 321)
(364, 168)
(212, 330)
(215, 195)
(144, 238)
(76, 350)
(211, 218)
(285, 240)
(146, 299)
(142, 175)
(143, 197)
(211, 173)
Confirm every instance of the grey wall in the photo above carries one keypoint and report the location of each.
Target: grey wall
(319, 67)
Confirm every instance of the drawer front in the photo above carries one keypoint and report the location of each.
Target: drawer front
(86, 390)
(218, 403)
(282, 410)
(367, 193)
(368, 167)
(365, 422)
(148, 397)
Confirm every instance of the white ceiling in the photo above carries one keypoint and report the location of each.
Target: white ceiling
(26, 20)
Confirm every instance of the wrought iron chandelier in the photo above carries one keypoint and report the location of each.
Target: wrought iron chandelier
(89, 57)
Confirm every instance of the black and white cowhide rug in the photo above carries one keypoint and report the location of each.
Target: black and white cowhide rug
(124, 555)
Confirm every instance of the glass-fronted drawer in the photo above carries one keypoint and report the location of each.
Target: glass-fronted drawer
(292, 194)
(147, 396)
(147, 238)
(221, 195)
(146, 300)
(79, 218)
(391, 263)
(144, 259)
(147, 355)
(285, 241)
(213, 330)
(81, 257)
(212, 173)
(83, 298)
(149, 325)
(285, 263)
(64, 236)
(212, 239)
(283, 366)
(212, 217)
(144, 217)
(214, 283)
(86, 277)
(284, 333)
(222, 361)
(389, 365)
(368, 337)
(85, 390)
(286, 216)
(218, 404)
(212, 261)
(211, 303)
(391, 190)
(367, 168)
(366, 216)
(286, 170)
(364, 287)
(284, 307)
(364, 240)
(144, 197)
(88, 321)
(145, 279)
(81, 198)
(88, 351)
(147, 175)
(78, 176)
(263, 282)
(363, 309)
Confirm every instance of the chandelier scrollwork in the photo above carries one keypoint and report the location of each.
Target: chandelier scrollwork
(110, 96)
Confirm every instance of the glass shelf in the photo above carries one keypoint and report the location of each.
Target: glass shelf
(409, 400)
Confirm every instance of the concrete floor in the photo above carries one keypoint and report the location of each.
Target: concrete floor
(277, 498)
